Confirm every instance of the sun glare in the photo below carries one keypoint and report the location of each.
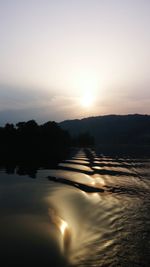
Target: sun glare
(87, 100)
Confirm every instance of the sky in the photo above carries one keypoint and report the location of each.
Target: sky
(66, 59)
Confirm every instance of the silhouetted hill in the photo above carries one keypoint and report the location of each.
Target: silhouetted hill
(112, 129)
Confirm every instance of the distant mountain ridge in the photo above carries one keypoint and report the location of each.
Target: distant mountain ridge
(112, 129)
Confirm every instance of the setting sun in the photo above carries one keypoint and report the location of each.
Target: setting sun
(87, 100)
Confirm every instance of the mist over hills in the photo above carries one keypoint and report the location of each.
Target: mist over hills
(112, 129)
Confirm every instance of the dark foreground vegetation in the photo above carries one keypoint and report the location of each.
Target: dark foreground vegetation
(28, 143)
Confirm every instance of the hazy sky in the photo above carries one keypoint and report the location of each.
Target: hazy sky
(57, 54)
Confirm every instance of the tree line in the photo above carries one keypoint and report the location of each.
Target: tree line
(30, 141)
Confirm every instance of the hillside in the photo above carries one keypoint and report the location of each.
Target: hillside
(113, 129)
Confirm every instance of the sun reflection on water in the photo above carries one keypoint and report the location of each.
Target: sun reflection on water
(73, 222)
(63, 226)
(64, 229)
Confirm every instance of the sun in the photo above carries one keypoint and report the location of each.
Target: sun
(87, 100)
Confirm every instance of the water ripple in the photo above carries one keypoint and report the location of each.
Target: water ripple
(113, 225)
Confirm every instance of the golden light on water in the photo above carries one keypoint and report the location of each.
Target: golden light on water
(63, 226)
(58, 221)
(99, 180)
(64, 229)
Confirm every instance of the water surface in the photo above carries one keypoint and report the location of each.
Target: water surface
(92, 210)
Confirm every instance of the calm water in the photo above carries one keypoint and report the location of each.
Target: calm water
(93, 210)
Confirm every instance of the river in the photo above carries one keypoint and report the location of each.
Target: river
(92, 210)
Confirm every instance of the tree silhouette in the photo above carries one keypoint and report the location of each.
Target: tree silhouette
(30, 141)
